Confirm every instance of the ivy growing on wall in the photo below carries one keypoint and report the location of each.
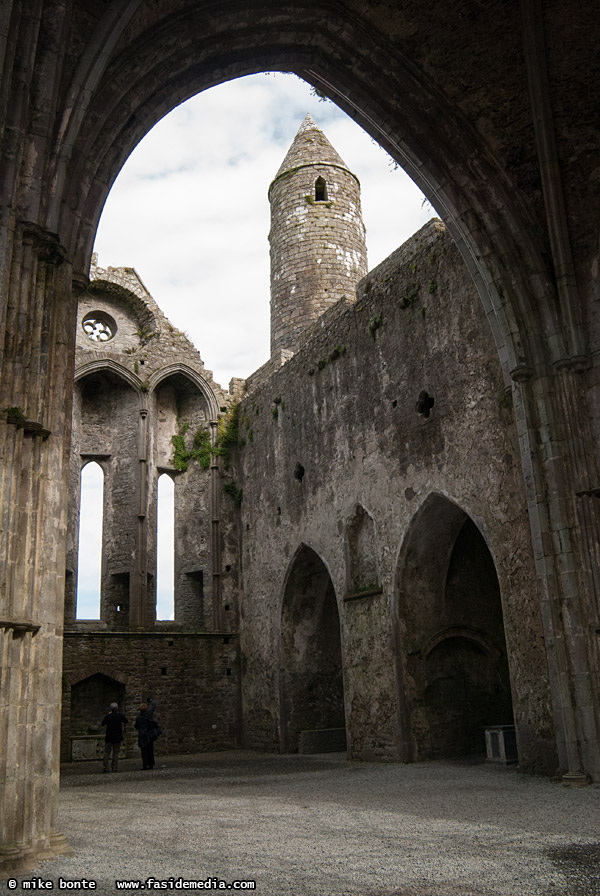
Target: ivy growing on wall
(235, 493)
(200, 451)
(228, 435)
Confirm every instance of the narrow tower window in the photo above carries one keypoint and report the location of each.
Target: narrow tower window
(89, 562)
(165, 548)
(320, 190)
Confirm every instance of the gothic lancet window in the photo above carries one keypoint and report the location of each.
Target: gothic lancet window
(89, 563)
(165, 549)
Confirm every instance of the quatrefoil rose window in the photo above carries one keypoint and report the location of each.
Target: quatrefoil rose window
(99, 326)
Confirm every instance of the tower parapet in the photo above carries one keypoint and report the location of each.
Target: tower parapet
(318, 249)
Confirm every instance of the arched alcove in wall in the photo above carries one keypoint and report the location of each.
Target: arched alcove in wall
(90, 701)
(451, 643)
(363, 568)
(311, 685)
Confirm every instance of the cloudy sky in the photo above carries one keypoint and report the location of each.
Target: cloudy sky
(189, 210)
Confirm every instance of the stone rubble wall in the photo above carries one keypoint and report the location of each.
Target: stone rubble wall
(193, 679)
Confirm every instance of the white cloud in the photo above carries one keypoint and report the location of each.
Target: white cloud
(190, 212)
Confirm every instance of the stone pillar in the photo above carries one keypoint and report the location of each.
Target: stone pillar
(562, 486)
(138, 594)
(35, 397)
(215, 515)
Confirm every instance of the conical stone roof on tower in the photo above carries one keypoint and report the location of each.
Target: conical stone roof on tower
(318, 249)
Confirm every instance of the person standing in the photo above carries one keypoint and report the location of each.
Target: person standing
(114, 721)
(144, 725)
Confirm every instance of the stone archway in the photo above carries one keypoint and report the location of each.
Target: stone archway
(311, 682)
(451, 635)
(84, 82)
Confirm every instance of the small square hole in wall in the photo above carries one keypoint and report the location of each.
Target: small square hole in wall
(163, 670)
(226, 606)
(228, 568)
(229, 672)
(170, 643)
(225, 640)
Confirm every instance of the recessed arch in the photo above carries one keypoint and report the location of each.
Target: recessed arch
(90, 701)
(451, 650)
(310, 649)
(194, 378)
(115, 371)
(361, 552)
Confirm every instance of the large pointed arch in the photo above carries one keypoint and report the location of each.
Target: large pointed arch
(312, 717)
(452, 657)
(394, 102)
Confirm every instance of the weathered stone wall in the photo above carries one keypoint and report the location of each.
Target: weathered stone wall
(390, 403)
(193, 679)
(134, 392)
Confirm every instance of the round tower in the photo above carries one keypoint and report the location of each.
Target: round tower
(318, 249)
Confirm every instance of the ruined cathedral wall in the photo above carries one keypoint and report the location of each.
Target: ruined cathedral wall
(133, 393)
(389, 405)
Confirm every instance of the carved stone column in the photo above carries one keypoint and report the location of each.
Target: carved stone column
(215, 512)
(138, 609)
(35, 398)
(562, 486)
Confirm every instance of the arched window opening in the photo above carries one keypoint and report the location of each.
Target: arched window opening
(89, 562)
(165, 549)
(320, 190)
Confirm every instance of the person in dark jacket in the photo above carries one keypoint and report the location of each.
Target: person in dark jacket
(144, 724)
(114, 721)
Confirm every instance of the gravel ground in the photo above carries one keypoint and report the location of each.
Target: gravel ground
(322, 826)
